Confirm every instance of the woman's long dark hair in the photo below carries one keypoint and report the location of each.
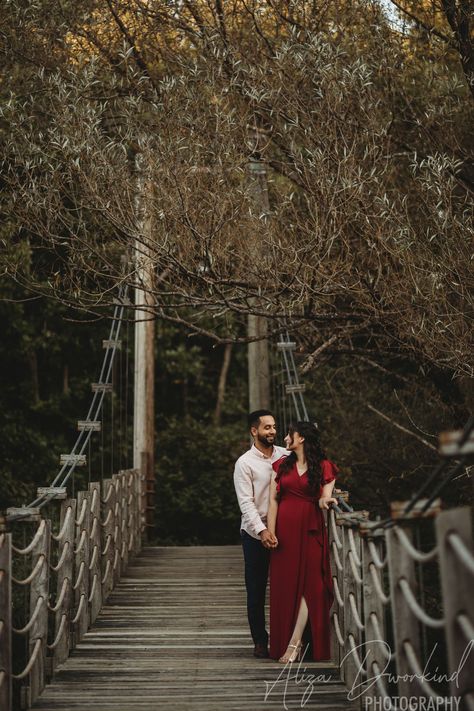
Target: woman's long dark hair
(313, 452)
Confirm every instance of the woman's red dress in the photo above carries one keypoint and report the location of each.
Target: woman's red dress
(300, 566)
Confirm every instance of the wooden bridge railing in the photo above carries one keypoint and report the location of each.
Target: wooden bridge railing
(380, 623)
(65, 575)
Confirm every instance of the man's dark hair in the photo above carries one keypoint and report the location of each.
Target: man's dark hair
(254, 417)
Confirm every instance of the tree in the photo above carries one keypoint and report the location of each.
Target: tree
(367, 146)
(446, 22)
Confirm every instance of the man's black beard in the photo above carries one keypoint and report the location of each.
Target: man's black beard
(265, 442)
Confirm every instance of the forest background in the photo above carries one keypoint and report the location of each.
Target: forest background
(362, 119)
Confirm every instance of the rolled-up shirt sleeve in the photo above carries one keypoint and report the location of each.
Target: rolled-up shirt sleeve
(246, 497)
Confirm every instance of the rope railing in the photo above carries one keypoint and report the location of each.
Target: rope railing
(416, 608)
(466, 626)
(80, 519)
(355, 573)
(39, 604)
(62, 558)
(25, 551)
(384, 599)
(62, 594)
(380, 617)
(417, 672)
(31, 661)
(78, 615)
(378, 633)
(61, 632)
(461, 551)
(336, 557)
(420, 557)
(36, 570)
(64, 597)
(64, 526)
(382, 689)
(376, 560)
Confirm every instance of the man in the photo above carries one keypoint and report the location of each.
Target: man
(252, 476)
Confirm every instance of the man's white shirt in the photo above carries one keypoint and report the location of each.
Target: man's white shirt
(252, 476)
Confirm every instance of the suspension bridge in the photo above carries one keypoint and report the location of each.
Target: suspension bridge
(91, 618)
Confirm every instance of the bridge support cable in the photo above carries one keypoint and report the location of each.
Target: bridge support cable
(292, 387)
(93, 422)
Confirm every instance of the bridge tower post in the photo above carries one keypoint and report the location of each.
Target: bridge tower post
(144, 363)
(257, 326)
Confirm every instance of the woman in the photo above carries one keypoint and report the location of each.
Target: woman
(300, 574)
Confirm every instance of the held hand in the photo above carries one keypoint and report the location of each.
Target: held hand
(324, 501)
(269, 540)
(274, 541)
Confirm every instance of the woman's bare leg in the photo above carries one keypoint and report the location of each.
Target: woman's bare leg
(295, 641)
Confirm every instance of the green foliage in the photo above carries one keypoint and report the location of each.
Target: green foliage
(196, 501)
(46, 365)
(380, 462)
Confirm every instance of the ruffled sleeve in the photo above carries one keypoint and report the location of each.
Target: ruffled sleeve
(329, 471)
(276, 468)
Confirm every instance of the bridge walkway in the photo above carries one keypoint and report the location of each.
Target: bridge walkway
(174, 635)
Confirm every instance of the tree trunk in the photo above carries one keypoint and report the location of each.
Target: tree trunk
(258, 364)
(66, 380)
(222, 384)
(33, 362)
(459, 15)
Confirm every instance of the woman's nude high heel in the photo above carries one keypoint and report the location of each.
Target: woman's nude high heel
(294, 656)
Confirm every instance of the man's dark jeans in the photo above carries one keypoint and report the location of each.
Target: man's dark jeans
(256, 559)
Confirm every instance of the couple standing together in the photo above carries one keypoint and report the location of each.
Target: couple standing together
(282, 494)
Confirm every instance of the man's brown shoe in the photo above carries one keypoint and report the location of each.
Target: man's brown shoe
(260, 651)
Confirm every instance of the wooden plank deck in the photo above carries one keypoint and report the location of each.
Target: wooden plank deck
(174, 635)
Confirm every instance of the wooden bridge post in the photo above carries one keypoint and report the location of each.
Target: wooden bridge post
(108, 539)
(137, 534)
(117, 528)
(94, 567)
(39, 595)
(81, 583)
(405, 624)
(142, 485)
(125, 520)
(456, 560)
(131, 500)
(352, 605)
(374, 612)
(336, 544)
(64, 582)
(5, 622)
